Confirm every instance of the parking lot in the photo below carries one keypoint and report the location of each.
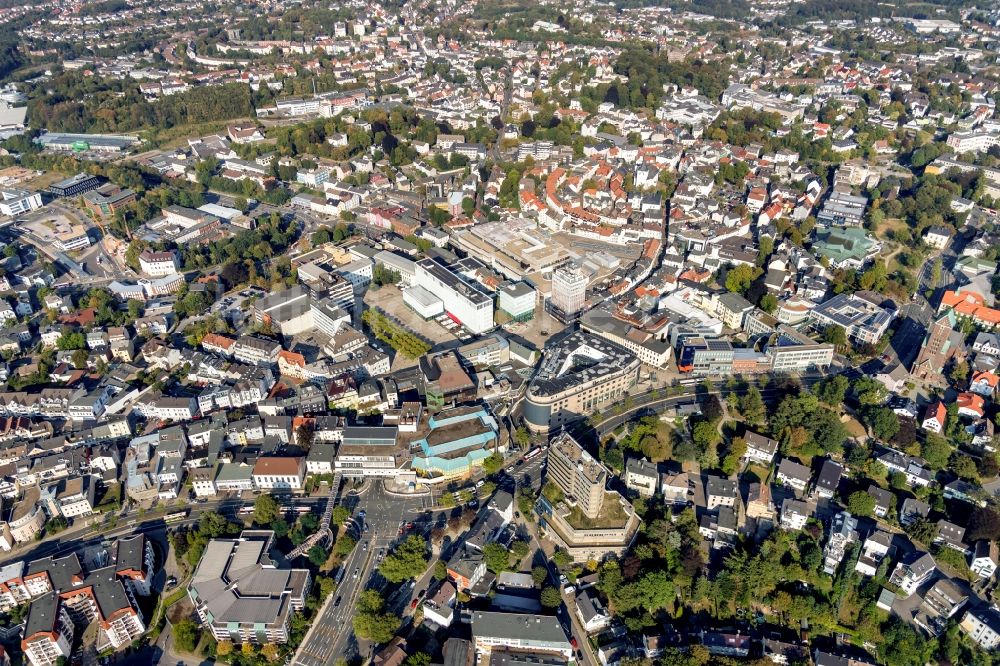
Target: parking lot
(390, 300)
(236, 302)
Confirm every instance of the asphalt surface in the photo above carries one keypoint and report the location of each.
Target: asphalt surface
(332, 634)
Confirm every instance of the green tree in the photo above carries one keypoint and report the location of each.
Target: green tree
(186, 635)
(496, 557)
(440, 570)
(739, 278)
(265, 510)
(79, 358)
(832, 390)
(769, 303)
(731, 463)
(317, 555)
(492, 463)
(522, 437)
(752, 407)
(562, 559)
(418, 659)
(883, 422)
(550, 597)
(519, 548)
(345, 544)
(907, 647)
(70, 340)
(935, 450)
(370, 621)
(339, 515)
(835, 335)
(861, 504)
(705, 434)
(407, 561)
(539, 574)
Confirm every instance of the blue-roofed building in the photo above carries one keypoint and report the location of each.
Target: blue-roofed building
(454, 442)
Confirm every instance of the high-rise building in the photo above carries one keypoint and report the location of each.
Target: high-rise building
(577, 474)
(569, 289)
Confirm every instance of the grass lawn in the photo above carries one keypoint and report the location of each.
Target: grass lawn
(759, 471)
(853, 426)
(612, 515)
(42, 182)
(890, 224)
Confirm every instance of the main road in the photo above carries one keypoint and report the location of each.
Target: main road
(332, 633)
(131, 522)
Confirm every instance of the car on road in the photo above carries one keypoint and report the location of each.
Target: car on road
(356, 571)
(413, 604)
(336, 602)
(573, 642)
(479, 484)
(364, 546)
(171, 581)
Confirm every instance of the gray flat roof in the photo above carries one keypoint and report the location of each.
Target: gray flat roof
(534, 628)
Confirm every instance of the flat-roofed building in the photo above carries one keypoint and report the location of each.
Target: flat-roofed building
(158, 264)
(103, 143)
(569, 290)
(536, 633)
(371, 451)
(577, 474)
(286, 311)
(517, 300)
(108, 199)
(75, 185)
(490, 350)
(463, 301)
(512, 247)
(579, 374)
(863, 320)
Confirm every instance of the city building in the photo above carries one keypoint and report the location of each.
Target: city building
(580, 477)
(982, 625)
(579, 374)
(243, 593)
(516, 300)
(279, 473)
(158, 264)
(569, 291)
(466, 303)
(589, 521)
(864, 321)
(48, 632)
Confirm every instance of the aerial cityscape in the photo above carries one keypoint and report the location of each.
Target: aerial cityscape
(500, 333)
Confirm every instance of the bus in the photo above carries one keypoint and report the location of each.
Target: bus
(533, 453)
(296, 509)
(175, 517)
(245, 510)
